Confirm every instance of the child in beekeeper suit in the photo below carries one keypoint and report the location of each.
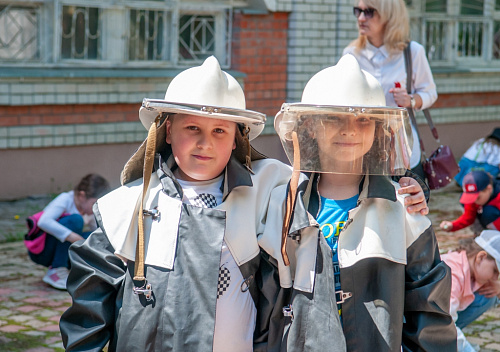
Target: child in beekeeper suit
(384, 274)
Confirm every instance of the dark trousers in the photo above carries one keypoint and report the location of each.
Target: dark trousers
(489, 215)
(55, 252)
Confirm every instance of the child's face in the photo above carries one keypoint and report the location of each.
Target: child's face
(485, 270)
(344, 139)
(484, 195)
(201, 146)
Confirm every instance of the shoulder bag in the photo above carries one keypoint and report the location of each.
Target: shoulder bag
(440, 167)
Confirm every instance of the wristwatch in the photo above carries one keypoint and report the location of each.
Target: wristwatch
(412, 102)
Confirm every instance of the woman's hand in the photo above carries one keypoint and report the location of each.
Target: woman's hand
(415, 202)
(73, 237)
(401, 97)
(446, 225)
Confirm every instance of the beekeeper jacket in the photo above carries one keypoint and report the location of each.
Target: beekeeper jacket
(390, 264)
(183, 247)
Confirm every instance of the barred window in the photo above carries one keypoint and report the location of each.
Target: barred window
(465, 32)
(81, 34)
(127, 33)
(149, 37)
(19, 35)
(196, 37)
(202, 35)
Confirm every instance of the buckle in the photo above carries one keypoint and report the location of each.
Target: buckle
(288, 311)
(146, 290)
(342, 296)
(154, 213)
(295, 236)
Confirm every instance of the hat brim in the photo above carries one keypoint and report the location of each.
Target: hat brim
(468, 198)
(151, 108)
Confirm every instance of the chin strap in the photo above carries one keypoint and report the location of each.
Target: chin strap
(291, 197)
(149, 157)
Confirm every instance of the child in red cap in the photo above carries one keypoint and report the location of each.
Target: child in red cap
(481, 200)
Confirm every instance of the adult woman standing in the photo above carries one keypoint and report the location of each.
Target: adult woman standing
(384, 33)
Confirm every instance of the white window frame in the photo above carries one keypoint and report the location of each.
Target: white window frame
(20, 37)
(452, 20)
(115, 31)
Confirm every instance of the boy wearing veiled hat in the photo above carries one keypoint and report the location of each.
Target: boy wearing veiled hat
(176, 264)
(184, 279)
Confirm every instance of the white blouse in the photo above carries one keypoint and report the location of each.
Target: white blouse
(389, 69)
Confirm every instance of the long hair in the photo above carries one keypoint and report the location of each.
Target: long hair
(310, 160)
(397, 25)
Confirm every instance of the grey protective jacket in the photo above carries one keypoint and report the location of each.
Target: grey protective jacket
(390, 263)
(183, 246)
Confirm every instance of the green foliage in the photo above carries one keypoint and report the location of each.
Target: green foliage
(20, 342)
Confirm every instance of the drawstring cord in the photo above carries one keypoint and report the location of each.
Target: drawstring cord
(291, 197)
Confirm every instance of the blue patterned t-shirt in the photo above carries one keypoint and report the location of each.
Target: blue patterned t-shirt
(331, 218)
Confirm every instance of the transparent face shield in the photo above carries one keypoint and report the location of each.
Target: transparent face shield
(346, 140)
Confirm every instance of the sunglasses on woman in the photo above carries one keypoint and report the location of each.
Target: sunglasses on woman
(368, 12)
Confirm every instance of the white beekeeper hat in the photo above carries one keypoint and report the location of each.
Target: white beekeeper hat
(205, 91)
(332, 96)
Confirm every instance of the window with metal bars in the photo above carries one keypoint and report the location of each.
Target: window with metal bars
(122, 32)
(465, 32)
(19, 36)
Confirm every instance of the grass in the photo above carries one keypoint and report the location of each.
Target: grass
(20, 342)
(13, 237)
(13, 216)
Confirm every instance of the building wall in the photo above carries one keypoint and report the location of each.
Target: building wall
(58, 124)
(66, 123)
(259, 50)
(34, 171)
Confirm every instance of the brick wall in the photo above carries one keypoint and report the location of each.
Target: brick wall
(316, 36)
(35, 126)
(67, 114)
(260, 51)
(467, 99)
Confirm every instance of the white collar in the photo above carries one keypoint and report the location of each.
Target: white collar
(372, 50)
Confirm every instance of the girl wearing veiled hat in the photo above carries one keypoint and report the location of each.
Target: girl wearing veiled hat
(385, 280)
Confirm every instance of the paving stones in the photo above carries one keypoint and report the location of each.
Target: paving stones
(30, 310)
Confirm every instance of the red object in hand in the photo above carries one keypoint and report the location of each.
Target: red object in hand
(397, 85)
